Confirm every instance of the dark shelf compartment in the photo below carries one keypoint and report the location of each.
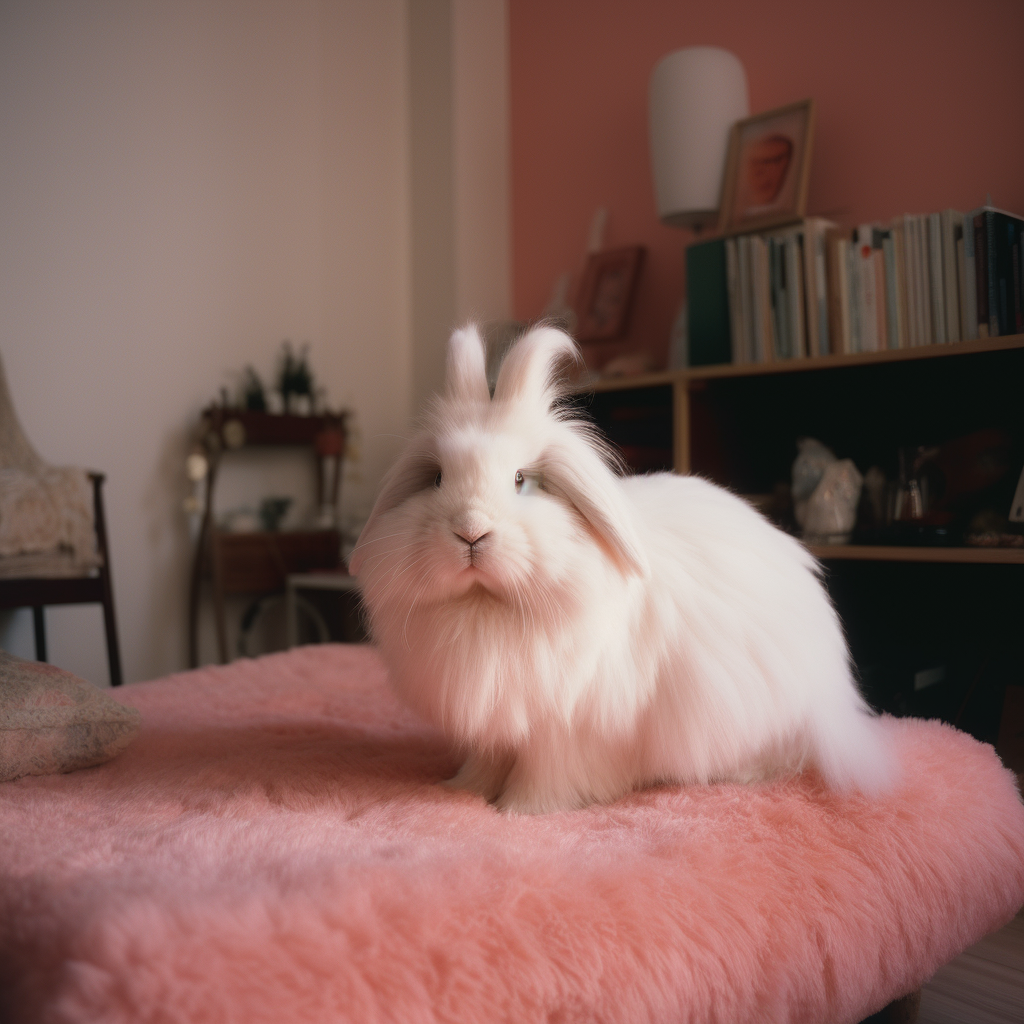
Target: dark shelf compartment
(638, 421)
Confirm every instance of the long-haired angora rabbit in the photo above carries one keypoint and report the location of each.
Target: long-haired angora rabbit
(579, 634)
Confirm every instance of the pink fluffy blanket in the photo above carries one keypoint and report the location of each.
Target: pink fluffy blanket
(274, 847)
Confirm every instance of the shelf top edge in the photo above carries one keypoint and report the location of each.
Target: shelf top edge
(958, 348)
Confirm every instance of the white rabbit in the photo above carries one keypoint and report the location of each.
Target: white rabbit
(580, 634)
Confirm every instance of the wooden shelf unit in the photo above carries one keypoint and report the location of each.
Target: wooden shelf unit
(893, 553)
(907, 609)
(682, 382)
(260, 562)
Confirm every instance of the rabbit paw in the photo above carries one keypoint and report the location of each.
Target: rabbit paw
(483, 774)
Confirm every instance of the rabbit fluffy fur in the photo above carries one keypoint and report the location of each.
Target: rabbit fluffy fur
(579, 634)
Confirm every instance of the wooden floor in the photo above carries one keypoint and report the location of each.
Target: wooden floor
(984, 985)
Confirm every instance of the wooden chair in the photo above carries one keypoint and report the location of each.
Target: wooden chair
(35, 579)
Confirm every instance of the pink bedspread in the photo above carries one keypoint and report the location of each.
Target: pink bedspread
(274, 847)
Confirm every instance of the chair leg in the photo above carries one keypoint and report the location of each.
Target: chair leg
(109, 622)
(39, 627)
(110, 626)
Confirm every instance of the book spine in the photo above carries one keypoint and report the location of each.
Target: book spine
(756, 245)
(853, 293)
(768, 344)
(916, 328)
(1015, 270)
(820, 294)
(881, 303)
(1006, 230)
(834, 269)
(993, 275)
(892, 302)
(846, 297)
(778, 286)
(806, 244)
(735, 312)
(899, 250)
(923, 283)
(962, 284)
(794, 279)
(970, 281)
(981, 274)
(935, 284)
(707, 304)
(747, 299)
(868, 315)
(950, 283)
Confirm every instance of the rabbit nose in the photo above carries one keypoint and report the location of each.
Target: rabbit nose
(471, 526)
(471, 536)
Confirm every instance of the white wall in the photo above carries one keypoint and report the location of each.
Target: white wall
(186, 184)
(480, 114)
(459, 151)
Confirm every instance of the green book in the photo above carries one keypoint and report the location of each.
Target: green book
(708, 304)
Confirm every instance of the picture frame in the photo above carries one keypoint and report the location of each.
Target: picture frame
(606, 293)
(767, 169)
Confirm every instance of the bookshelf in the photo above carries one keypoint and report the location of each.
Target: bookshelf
(680, 390)
(906, 609)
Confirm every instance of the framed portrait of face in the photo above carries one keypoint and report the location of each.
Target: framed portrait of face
(767, 169)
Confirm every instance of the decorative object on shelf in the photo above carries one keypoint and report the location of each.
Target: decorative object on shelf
(768, 169)
(239, 520)
(295, 380)
(695, 96)
(826, 493)
(832, 508)
(272, 512)
(233, 433)
(809, 466)
(606, 293)
(915, 487)
(254, 397)
(875, 497)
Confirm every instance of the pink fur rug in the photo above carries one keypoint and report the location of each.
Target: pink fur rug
(274, 847)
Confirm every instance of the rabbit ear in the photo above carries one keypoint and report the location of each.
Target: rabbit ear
(579, 474)
(529, 370)
(466, 371)
(411, 473)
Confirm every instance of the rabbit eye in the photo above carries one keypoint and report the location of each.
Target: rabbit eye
(437, 479)
(527, 483)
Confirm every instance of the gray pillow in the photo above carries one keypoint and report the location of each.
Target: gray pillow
(52, 721)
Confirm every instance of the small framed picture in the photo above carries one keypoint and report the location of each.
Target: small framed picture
(767, 169)
(606, 293)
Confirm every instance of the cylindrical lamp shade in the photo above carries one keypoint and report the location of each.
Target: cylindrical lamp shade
(696, 95)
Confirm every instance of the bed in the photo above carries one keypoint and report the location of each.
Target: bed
(274, 846)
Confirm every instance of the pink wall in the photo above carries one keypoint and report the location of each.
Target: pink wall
(919, 108)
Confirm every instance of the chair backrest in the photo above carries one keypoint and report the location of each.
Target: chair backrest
(15, 450)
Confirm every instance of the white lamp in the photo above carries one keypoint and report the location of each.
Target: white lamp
(696, 95)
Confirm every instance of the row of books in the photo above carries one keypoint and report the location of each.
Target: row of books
(818, 289)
